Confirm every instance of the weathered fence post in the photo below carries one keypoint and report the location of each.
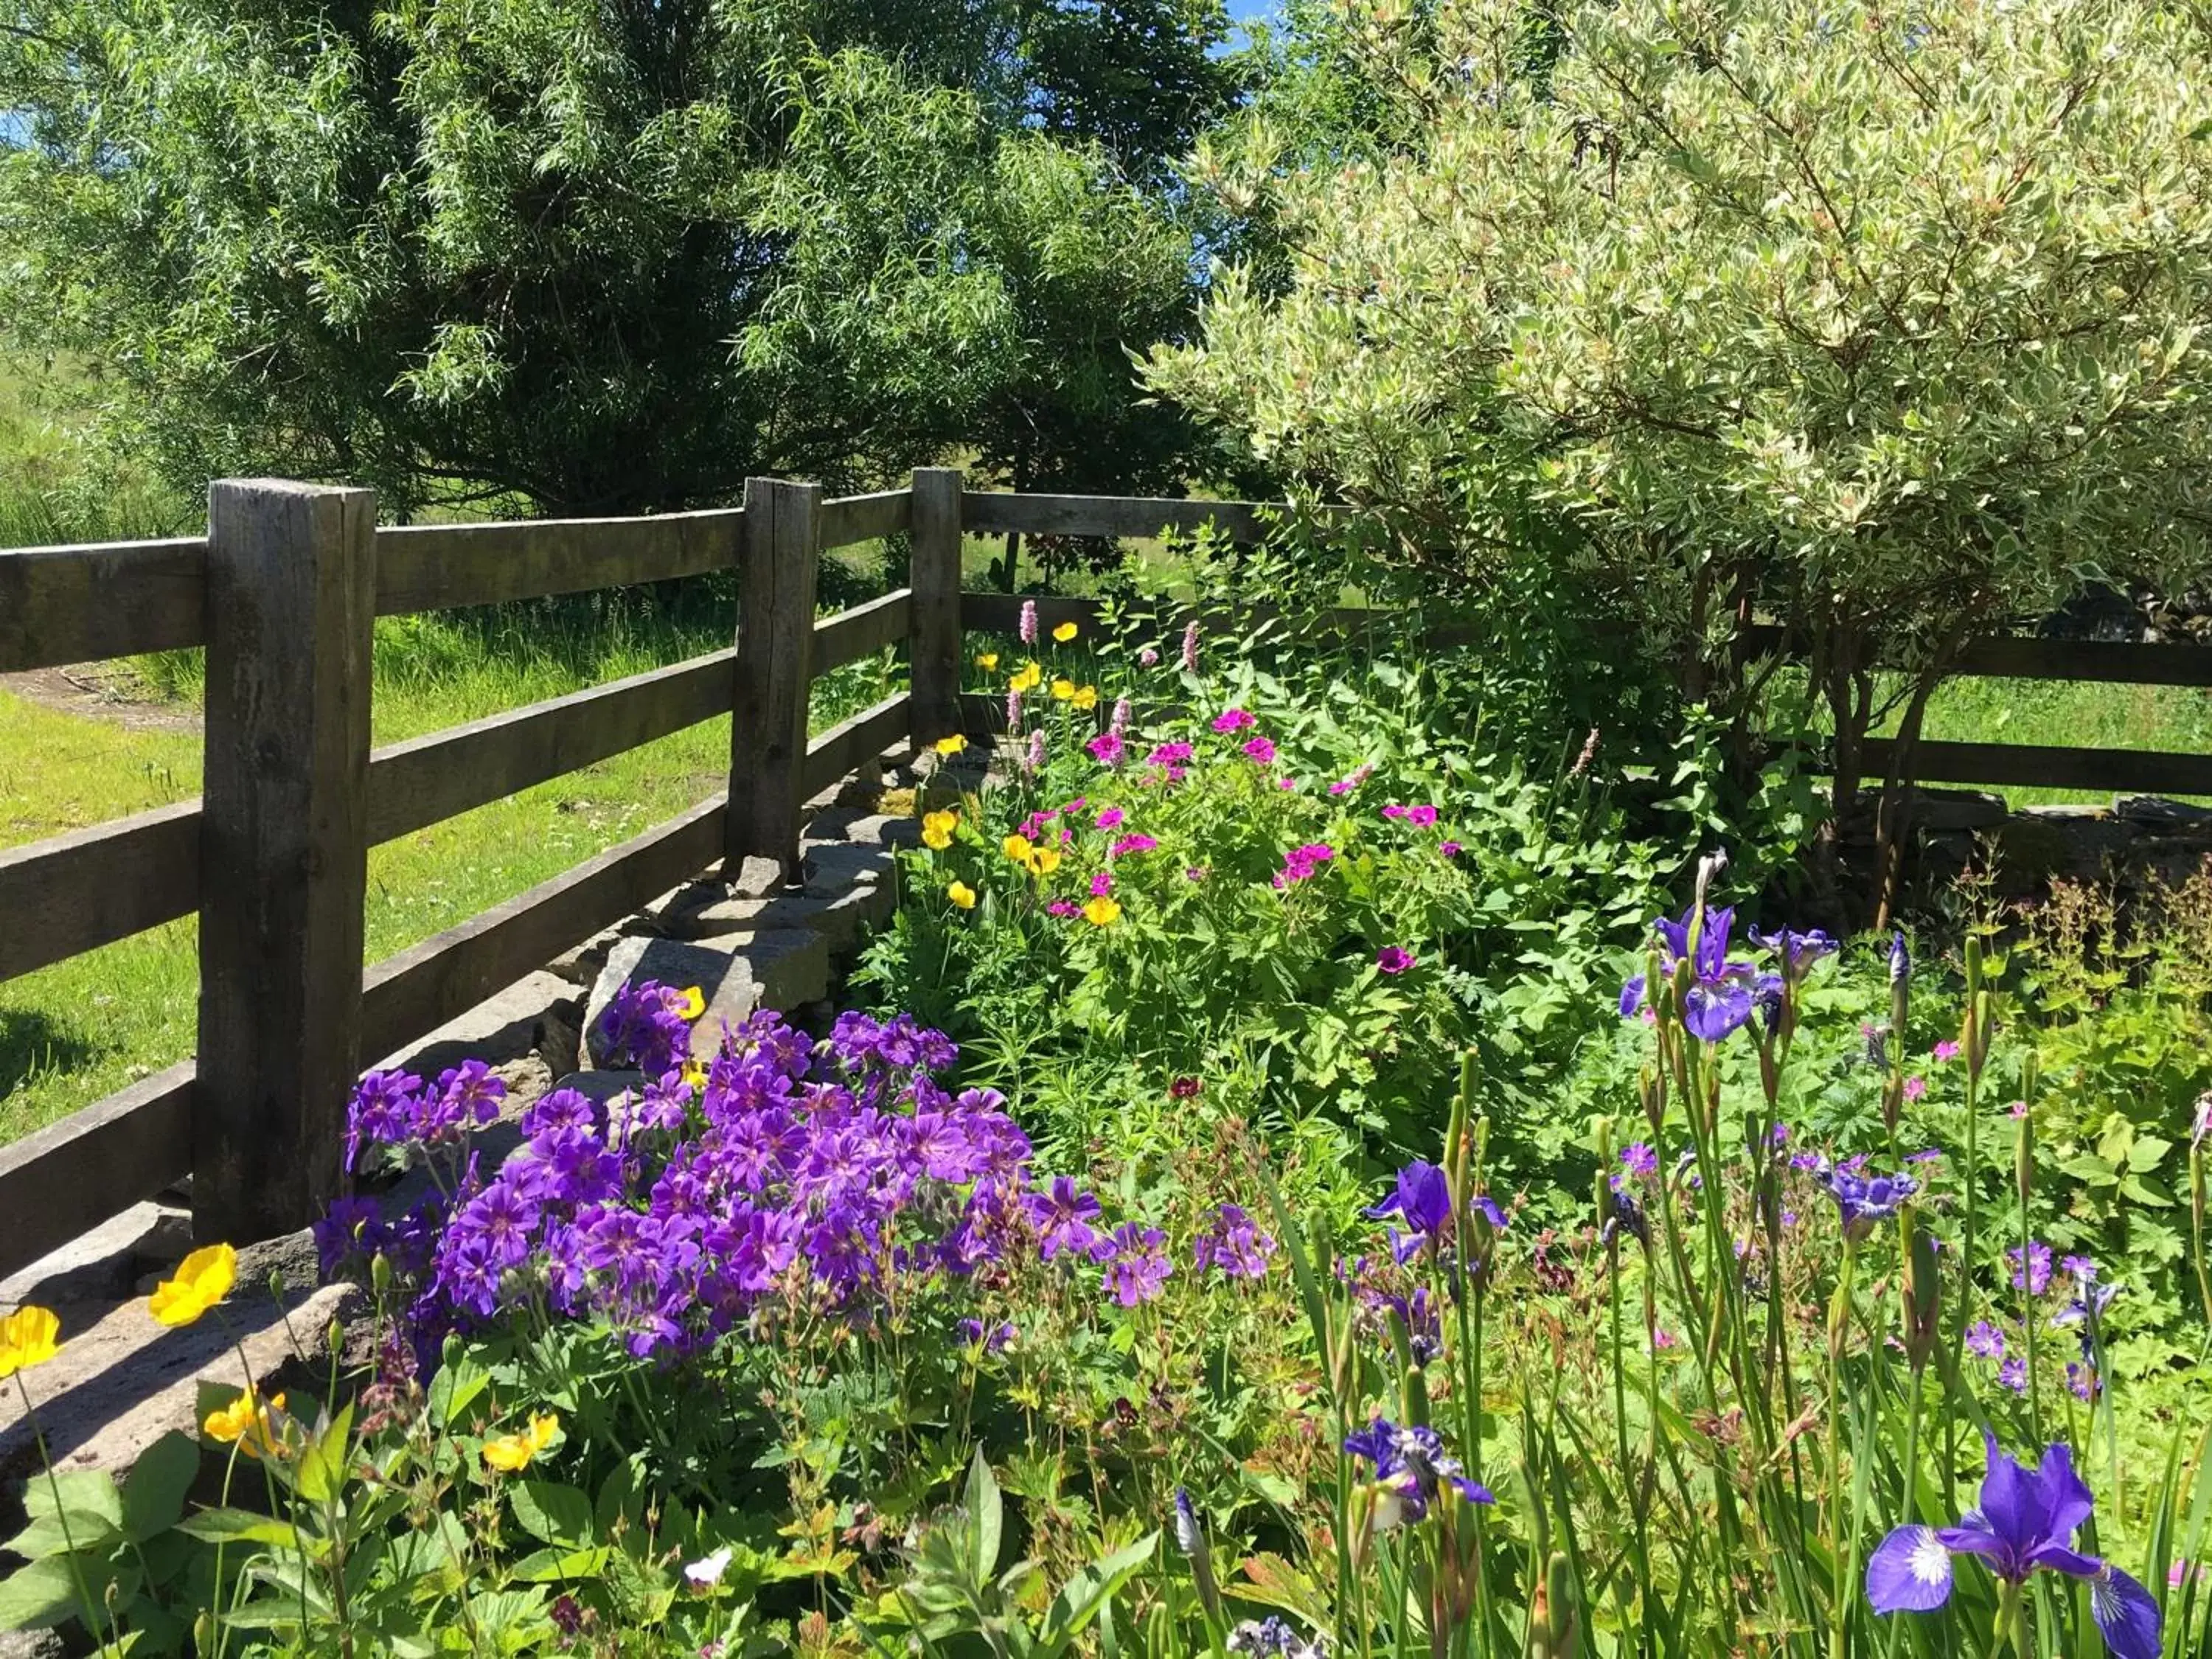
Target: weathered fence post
(776, 642)
(291, 594)
(933, 640)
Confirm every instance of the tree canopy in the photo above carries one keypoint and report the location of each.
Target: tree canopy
(1881, 324)
(603, 255)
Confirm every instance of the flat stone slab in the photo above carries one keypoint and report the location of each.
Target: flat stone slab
(737, 974)
(537, 1014)
(123, 1380)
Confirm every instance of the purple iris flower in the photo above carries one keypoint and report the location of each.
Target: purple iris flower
(1423, 1202)
(1863, 1200)
(2090, 1301)
(2026, 1521)
(1410, 1468)
(1798, 951)
(1722, 995)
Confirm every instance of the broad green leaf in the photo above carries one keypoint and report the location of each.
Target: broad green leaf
(239, 1526)
(1081, 1597)
(154, 1492)
(81, 1492)
(40, 1596)
(986, 1515)
(551, 1513)
(320, 1473)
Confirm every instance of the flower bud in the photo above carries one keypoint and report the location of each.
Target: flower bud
(1921, 1296)
(1416, 1393)
(379, 1274)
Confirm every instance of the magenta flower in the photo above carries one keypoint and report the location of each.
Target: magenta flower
(1345, 785)
(1109, 818)
(1915, 1087)
(1234, 720)
(1947, 1049)
(1063, 907)
(1102, 883)
(1127, 844)
(1261, 750)
(1451, 849)
(1393, 959)
(1107, 749)
(1301, 863)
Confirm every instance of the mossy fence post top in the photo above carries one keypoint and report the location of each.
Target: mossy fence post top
(291, 598)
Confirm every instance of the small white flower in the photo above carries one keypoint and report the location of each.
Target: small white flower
(707, 1572)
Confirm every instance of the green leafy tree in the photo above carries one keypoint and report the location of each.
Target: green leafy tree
(598, 255)
(1880, 324)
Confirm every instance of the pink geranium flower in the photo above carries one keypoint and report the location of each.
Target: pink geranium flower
(1393, 959)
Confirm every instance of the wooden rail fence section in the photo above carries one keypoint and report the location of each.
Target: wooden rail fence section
(281, 591)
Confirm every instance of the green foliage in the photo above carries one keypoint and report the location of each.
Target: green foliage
(1884, 327)
(1515, 897)
(598, 258)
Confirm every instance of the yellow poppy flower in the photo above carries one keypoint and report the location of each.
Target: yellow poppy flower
(27, 1338)
(1102, 912)
(1044, 861)
(1065, 632)
(694, 1073)
(962, 895)
(511, 1454)
(951, 745)
(1062, 690)
(203, 1278)
(1015, 848)
(248, 1425)
(1027, 678)
(1086, 697)
(936, 829)
(988, 661)
(689, 1005)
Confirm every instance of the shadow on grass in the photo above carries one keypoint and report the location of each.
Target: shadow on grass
(32, 1041)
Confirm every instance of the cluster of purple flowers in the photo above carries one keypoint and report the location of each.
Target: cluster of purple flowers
(390, 1107)
(649, 1025)
(803, 1173)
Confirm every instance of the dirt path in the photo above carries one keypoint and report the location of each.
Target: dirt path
(102, 692)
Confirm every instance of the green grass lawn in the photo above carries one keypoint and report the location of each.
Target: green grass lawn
(81, 1029)
(2071, 715)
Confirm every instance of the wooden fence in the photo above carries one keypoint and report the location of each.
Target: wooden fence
(283, 592)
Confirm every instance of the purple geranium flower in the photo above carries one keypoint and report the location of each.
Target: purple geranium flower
(2035, 1280)
(2026, 1521)
(1393, 959)
(1236, 1245)
(1140, 1268)
(1062, 1217)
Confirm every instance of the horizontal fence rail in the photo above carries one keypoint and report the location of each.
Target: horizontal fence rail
(78, 892)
